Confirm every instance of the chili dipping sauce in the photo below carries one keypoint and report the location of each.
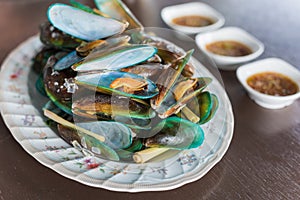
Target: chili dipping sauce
(272, 83)
(193, 21)
(229, 48)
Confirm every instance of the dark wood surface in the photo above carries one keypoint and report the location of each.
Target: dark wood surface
(263, 161)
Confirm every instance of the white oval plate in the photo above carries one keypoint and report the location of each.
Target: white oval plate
(26, 124)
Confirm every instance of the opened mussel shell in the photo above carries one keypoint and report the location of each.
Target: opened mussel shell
(121, 57)
(62, 105)
(214, 108)
(205, 106)
(147, 70)
(87, 142)
(81, 24)
(107, 107)
(117, 135)
(168, 78)
(118, 10)
(119, 83)
(205, 102)
(176, 133)
(169, 57)
(182, 93)
(102, 46)
(127, 154)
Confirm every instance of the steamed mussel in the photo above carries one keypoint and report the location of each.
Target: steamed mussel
(54, 38)
(136, 95)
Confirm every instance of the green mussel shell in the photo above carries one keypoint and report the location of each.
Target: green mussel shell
(176, 133)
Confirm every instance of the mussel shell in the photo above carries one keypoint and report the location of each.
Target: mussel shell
(81, 24)
(172, 106)
(67, 61)
(138, 37)
(108, 107)
(102, 46)
(81, 6)
(168, 79)
(53, 107)
(42, 57)
(39, 85)
(136, 124)
(121, 57)
(147, 70)
(54, 81)
(62, 105)
(117, 135)
(169, 57)
(127, 154)
(118, 10)
(101, 82)
(85, 48)
(213, 110)
(95, 146)
(205, 102)
(204, 105)
(176, 133)
(54, 38)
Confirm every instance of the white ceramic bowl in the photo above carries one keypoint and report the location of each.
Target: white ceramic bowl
(193, 8)
(230, 33)
(269, 65)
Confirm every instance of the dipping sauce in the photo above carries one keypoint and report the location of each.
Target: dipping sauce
(272, 83)
(229, 48)
(193, 21)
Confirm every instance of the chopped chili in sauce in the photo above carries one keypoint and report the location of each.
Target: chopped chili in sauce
(193, 21)
(272, 83)
(229, 48)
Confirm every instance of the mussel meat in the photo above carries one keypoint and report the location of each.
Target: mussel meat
(119, 83)
(102, 46)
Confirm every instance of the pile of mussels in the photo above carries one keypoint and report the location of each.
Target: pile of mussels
(103, 74)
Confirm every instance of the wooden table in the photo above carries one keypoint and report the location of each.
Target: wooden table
(263, 161)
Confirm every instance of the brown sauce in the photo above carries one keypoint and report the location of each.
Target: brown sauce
(193, 21)
(272, 83)
(229, 48)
